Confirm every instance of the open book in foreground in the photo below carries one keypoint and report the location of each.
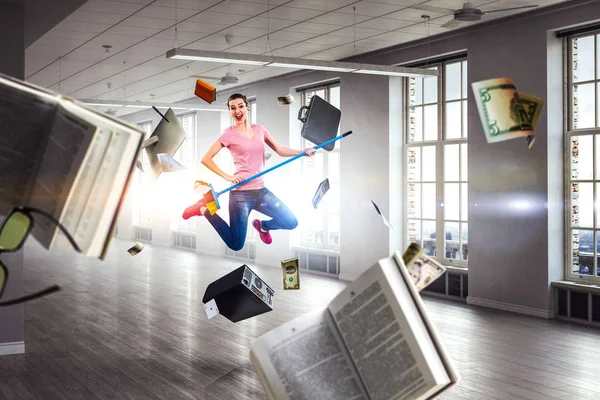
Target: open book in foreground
(373, 342)
(66, 159)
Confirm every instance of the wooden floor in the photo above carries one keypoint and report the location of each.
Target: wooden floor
(135, 328)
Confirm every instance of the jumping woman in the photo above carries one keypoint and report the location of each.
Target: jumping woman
(246, 142)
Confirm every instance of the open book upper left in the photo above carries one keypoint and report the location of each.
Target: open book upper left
(70, 161)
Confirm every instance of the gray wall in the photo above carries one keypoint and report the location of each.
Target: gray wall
(12, 63)
(514, 253)
(21, 23)
(42, 15)
(12, 17)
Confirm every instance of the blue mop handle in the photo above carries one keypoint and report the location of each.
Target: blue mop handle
(283, 163)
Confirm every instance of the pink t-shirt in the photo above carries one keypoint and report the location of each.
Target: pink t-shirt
(248, 154)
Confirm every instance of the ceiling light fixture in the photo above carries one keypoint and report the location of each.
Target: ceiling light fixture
(311, 66)
(217, 56)
(297, 63)
(142, 104)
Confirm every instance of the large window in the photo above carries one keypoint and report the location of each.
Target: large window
(583, 159)
(320, 228)
(186, 154)
(436, 163)
(142, 209)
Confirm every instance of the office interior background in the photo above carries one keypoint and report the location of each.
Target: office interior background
(500, 217)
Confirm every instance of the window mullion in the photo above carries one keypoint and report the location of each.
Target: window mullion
(460, 199)
(439, 226)
(440, 231)
(595, 197)
(595, 85)
(568, 43)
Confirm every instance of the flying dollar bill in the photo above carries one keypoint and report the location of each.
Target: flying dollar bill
(136, 248)
(413, 252)
(501, 110)
(291, 274)
(284, 100)
(533, 107)
(423, 270)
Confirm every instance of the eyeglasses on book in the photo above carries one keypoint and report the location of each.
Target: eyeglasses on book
(14, 230)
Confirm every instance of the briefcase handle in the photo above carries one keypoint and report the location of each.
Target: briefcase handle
(300, 117)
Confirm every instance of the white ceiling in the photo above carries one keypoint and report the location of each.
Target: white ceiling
(141, 31)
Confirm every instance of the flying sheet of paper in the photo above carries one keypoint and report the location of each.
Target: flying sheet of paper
(267, 156)
(138, 164)
(136, 248)
(168, 163)
(211, 309)
(383, 218)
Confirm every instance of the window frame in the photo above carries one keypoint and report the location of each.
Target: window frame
(570, 132)
(439, 144)
(179, 153)
(325, 244)
(252, 110)
(142, 214)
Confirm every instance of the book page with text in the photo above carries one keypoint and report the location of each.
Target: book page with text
(80, 193)
(305, 359)
(378, 331)
(110, 180)
(26, 118)
(124, 148)
(64, 153)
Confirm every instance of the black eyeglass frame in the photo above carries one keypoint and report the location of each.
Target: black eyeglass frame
(27, 211)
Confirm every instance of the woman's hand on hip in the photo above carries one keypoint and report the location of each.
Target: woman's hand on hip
(234, 178)
(310, 151)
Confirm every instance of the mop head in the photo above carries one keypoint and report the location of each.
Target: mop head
(210, 197)
(212, 201)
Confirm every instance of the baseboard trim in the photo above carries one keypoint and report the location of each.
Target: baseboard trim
(11, 348)
(427, 293)
(535, 312)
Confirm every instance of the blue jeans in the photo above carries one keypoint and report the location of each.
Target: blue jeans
(241, 202)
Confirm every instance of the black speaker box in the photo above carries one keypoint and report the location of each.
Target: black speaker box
(240, 294)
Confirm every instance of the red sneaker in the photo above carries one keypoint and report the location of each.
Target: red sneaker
(194, 210)
(264, 236)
